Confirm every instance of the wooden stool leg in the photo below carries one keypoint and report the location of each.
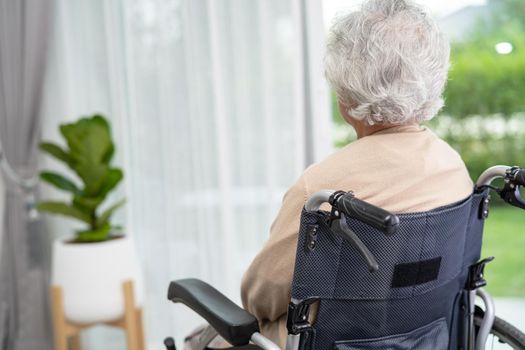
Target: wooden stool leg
(59, 319)
(130, 317)
(75, 342)
(140, 329)
(65, 332)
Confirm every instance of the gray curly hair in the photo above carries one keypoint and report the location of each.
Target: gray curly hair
(388, 62)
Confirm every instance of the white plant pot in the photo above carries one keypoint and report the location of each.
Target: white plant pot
(91, 277)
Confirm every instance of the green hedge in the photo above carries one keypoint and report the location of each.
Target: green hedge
(483, 82)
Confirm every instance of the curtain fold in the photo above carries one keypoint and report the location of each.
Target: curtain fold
(24, 316)
(206, 99)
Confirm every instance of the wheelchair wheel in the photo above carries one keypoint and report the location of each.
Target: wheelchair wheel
(503, 335)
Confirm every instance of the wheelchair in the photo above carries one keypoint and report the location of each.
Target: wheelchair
(379, 280)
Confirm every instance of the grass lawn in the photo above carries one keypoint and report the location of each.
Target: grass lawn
(504, 238)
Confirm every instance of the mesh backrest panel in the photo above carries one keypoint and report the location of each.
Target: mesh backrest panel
(357, 304)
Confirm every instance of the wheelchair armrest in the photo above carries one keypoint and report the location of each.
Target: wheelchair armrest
(233, 323)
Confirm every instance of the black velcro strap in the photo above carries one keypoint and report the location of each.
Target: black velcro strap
(411, 274)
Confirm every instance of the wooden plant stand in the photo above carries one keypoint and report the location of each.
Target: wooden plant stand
(66, 331)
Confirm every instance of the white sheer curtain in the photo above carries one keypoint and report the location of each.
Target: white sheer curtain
(214, 106)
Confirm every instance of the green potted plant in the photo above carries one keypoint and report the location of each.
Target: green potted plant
(91, 265)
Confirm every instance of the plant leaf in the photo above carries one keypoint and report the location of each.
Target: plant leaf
(103, 219)
(57, 152)
(93, 176)
(63, 209)
(88, 204)
(89, 140)
(99, 180)
(97, 235)
(112, 179)
(59, 181)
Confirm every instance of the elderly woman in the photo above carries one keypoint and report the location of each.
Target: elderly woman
(388, 65)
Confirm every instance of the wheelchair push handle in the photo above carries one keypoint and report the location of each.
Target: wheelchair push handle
(510, 193)
(519, 177)
(365, 212)
(345, 204)
(514, 180)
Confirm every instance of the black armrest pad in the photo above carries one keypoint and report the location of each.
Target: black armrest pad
(233, 323)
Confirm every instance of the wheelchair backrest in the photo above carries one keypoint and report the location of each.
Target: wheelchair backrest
(413, 301)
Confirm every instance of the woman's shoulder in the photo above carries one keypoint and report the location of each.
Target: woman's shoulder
(332, 168)
(388, 152)
(365, 150)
